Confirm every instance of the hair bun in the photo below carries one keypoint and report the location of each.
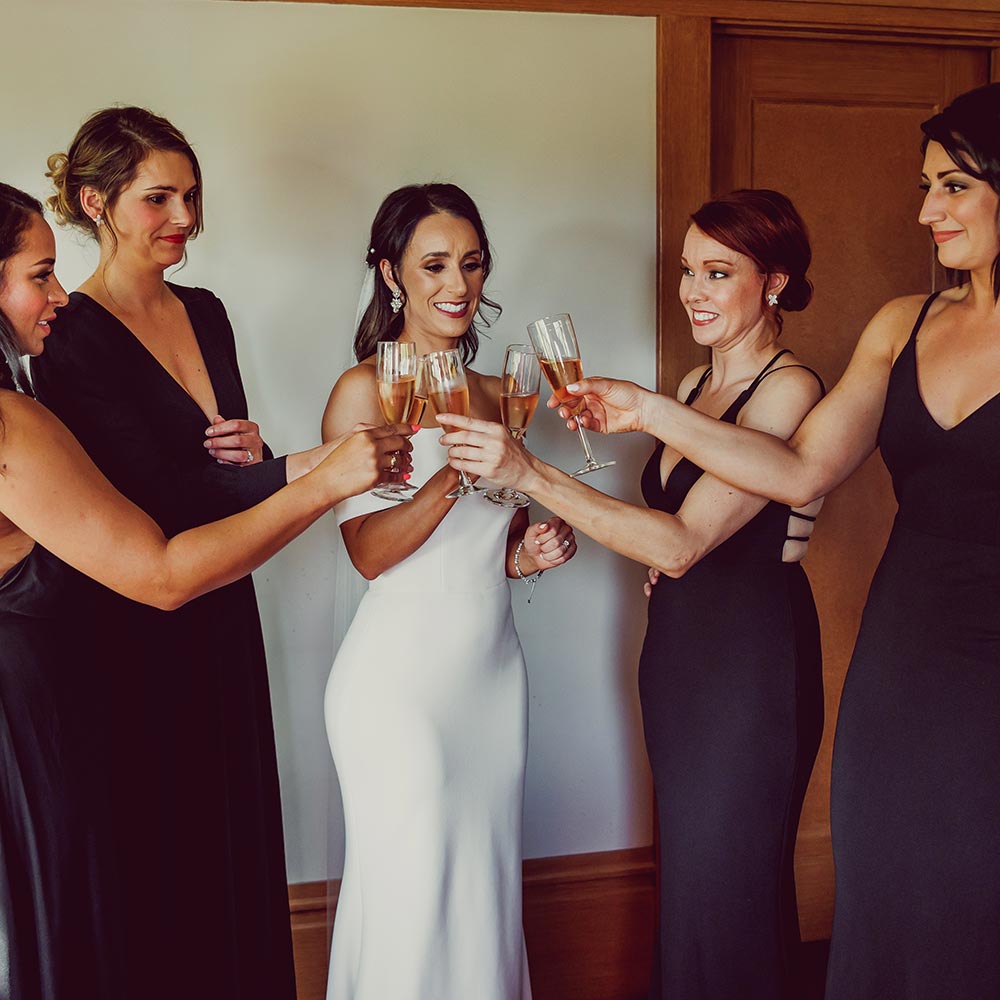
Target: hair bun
(796, 294)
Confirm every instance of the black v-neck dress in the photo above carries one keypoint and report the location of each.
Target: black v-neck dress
(915, 791)
(195, 803)
(730, 683)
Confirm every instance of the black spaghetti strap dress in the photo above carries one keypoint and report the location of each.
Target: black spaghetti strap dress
(915, 790)
(193, 773)
(730, 682)
(58, 935)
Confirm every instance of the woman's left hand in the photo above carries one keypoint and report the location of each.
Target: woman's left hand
(549, 543)
(484, 448)
(234, 442)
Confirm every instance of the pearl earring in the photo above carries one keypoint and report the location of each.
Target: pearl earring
(772, 299)
(98, 219)
(397, 301)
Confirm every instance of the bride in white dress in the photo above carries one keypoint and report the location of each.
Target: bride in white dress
(426, 707)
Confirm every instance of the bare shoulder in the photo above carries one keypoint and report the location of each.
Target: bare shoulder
(690, 381)
(783, 397)
(24, 418)
(889, 329)
(353, 398)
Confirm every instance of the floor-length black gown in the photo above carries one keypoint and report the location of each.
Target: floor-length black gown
(194, 785)
(730, 682)
(915, 792)
(58, 935)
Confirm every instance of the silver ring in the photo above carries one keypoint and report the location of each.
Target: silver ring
(249, 456)
(565, 543)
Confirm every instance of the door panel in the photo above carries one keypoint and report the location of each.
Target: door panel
(835, 125)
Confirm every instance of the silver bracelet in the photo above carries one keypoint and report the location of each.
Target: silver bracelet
(533, 578)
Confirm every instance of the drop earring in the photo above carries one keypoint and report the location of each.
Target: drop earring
(98, 220)
(772, 299)
(397, 301)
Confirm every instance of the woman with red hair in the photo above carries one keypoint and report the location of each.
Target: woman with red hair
(730, 677)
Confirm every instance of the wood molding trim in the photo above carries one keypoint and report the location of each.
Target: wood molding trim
(965, 16)
(683, 181)
(588, 924)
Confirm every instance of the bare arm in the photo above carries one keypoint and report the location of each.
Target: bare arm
(836, 437)
(378, 541)
(51, 490)
(712, 512)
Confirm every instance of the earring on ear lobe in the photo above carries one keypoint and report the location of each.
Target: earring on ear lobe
(397, 301)
(98, 220)
(772, 299)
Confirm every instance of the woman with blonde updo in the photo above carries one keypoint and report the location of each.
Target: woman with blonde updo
(144, 372)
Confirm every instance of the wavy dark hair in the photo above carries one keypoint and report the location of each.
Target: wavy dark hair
(16, 212)
(969, 131)
(765, 226)
(392, 231)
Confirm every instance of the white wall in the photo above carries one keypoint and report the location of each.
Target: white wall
(304, 117)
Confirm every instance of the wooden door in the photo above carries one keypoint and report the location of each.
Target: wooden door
(834, 124)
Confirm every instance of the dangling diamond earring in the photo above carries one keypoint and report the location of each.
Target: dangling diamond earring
(772, 299)
(98, 219)
(397, 301)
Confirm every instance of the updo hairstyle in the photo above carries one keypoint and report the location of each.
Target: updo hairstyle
(763, 225)
(969, 131)
(395, 222)
(106, 154)
(16, 212)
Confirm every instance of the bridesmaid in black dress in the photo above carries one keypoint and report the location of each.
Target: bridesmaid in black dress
(730, 678)
(60, 918)
(145, 374)
(915, 804)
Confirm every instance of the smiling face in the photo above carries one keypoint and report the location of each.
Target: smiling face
(720, 289)
(29, 291)
(442, 274)
(961, 212)
(155, 214)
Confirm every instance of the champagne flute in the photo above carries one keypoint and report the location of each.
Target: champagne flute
(559, 356)
(448, 391)
(420, 391)
(518, 399)
(395, 376)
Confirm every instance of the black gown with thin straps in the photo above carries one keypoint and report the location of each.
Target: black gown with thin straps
(915, 793)
(730, 682)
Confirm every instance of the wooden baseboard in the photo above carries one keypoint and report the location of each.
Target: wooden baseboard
(588, 923)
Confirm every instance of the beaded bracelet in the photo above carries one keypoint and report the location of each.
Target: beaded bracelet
(533, 578)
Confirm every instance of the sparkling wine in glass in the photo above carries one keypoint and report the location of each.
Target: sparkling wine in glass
(518, 400)
(558, 352)
(420, 391)
(395, 377)
(448, 392)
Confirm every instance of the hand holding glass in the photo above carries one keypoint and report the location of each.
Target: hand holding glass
(448, 391)
(558, 352)
(395, 376)
(518, 400)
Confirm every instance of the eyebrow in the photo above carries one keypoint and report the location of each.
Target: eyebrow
(944, 173)
(169, 187)
(50, 261)
(445, 253)
(728, 263)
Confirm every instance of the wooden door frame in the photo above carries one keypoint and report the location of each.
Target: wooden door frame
(684, 33)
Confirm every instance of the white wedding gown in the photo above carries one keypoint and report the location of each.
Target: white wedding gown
(426, 712)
